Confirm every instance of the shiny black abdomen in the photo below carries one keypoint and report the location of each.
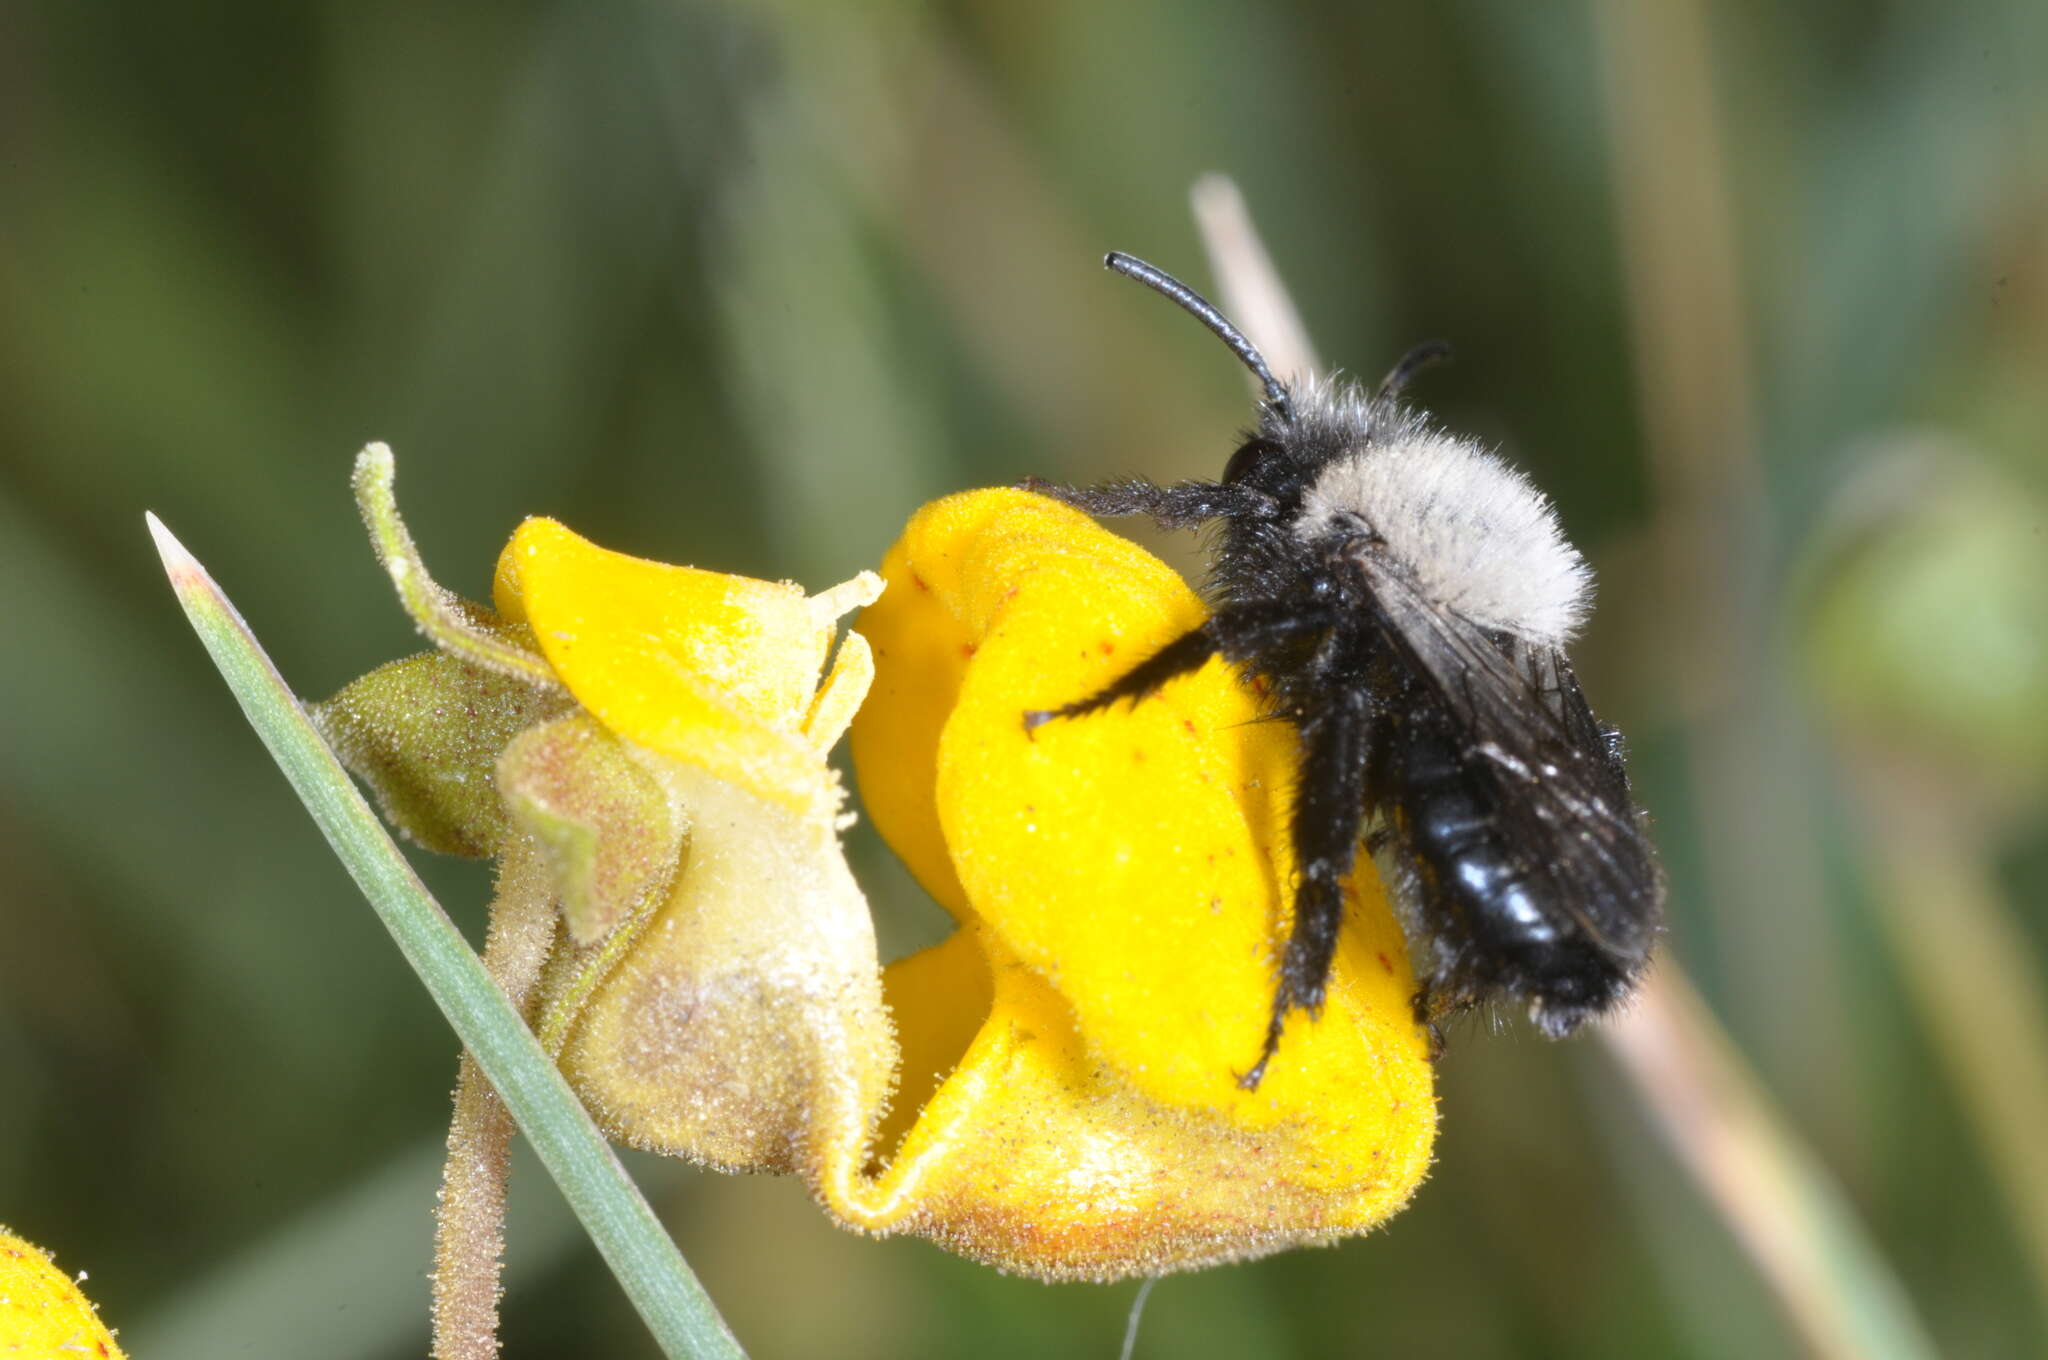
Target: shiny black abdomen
(1498, 919)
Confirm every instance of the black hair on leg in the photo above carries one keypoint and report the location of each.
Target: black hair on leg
(1180, 506)
(1185, 653)
(1329, 814)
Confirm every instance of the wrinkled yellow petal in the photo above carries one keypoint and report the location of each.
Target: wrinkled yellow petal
(42, 1310)
(920, 652)
(716, 671)
(948, 992)
(1034, 1157)
(1135, 855)
(1126, 873)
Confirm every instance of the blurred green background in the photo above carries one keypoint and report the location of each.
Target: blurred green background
(1760, 295)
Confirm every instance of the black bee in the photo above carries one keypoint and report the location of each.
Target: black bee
(1403, 598)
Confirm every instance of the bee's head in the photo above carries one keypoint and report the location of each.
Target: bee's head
(1265, 463)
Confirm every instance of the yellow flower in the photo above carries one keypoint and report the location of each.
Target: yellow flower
(43, 1311)
(1071, 1053)
(753, 991)
(1066, 1102)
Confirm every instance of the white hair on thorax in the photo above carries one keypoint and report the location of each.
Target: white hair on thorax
(1479, 538)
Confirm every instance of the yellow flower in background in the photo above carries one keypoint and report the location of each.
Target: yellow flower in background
(1064, 1066)
(43, 1312)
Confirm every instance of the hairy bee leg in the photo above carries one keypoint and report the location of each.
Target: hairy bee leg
(1238, 634)
(1329, 814)
(1180, 506)
(1249, 1079)
(1185, 653)
(1433, 1009)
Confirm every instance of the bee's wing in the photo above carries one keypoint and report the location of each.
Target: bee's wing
(1552, 773)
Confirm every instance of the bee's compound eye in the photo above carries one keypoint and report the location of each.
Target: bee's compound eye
(1249, 456)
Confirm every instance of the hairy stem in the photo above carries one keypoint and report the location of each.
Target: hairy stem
(469, 1238)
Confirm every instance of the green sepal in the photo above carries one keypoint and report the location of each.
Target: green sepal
(425, 734)
(606, 827)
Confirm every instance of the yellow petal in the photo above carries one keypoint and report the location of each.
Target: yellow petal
(1123, 876)
(920, 652)
(1134, 855)
(1034, 1157)
(42, 1310)
(717, 671)
(839, 698)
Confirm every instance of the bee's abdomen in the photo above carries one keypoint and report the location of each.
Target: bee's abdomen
(1500, 921)
(1456, 834)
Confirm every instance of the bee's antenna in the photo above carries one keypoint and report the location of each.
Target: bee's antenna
(1413, 362)
(1205, 312)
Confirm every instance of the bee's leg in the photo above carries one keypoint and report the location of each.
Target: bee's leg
(1329, 813)
(1180, 506)
(1434, 1007)
(1185, 653)
(1239, 634)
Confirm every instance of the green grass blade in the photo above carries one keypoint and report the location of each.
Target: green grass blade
(656, 1278)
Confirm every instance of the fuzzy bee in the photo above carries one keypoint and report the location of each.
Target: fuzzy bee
(1403, 598)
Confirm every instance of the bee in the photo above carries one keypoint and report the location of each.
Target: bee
(1403, 598)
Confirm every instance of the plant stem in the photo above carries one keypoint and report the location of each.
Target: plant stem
(469, 1238)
